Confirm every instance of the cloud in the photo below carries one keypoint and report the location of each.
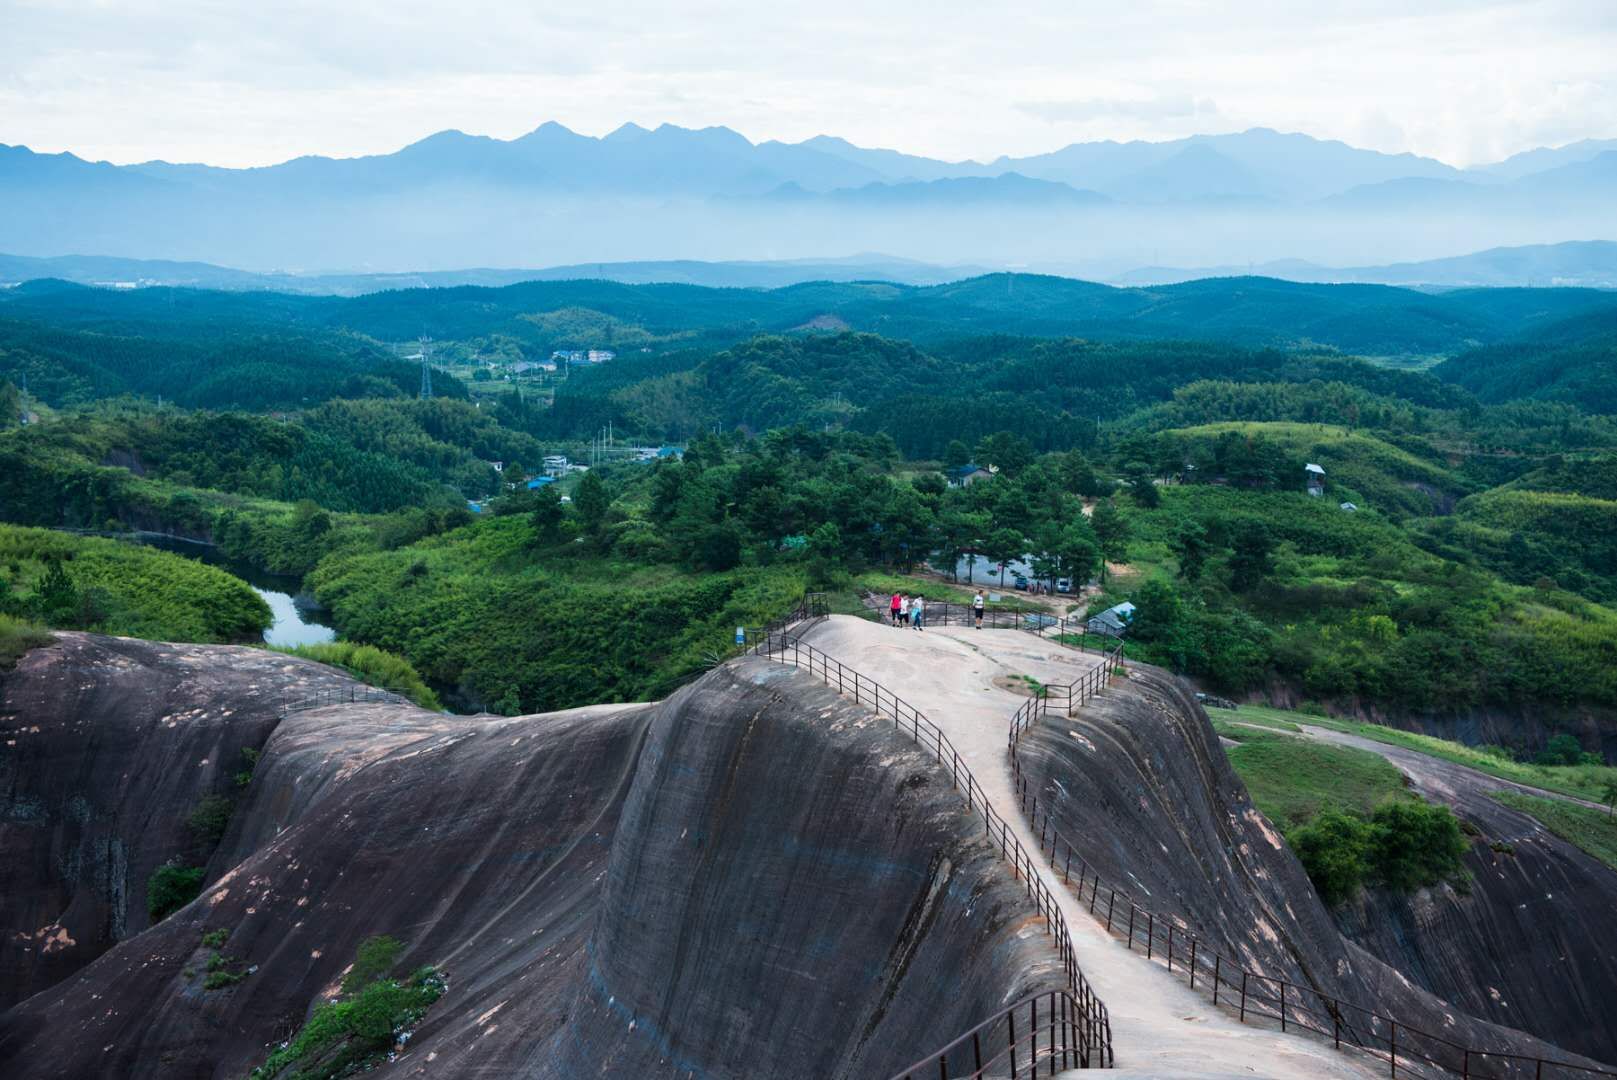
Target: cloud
(1151, 110)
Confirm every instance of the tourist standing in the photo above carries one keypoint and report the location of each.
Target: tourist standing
(917, 613)
(977, 608)
(896, 606)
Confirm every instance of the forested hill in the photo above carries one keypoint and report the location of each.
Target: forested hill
(1365, 319)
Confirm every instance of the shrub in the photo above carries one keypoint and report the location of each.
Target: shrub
(375, 957)
(1404, 845)
(1415, 844)
(1334, 849)
(209, 820)
(1564, 749)
(16, 638)
(249, 761)
(170, 888)
(351, 1035)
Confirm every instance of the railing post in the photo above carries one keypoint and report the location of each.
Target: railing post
(1282, 1005)
(1170, 947)
(1465, 1065)
(1150, 933)
(1243, 996)
(1131, 926)
(1033, 1032)
(1010, 1018)
(1111, 902)
(1216, 960)
(1193, 962)
(1392, 1043)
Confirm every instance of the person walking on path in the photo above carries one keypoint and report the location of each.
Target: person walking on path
(897, 604)
(977, 608)
(903, 611)
(917, 613)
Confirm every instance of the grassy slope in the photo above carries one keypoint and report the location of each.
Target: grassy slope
(142, 592)
(544, 629)
(1582, 781)
(1595, 831)
(1291, 779)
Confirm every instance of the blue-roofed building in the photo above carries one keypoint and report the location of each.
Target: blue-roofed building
(540, 481)
(474, 507)
(966, 475)
(670, 451)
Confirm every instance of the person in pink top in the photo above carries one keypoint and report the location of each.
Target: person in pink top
(897, 605)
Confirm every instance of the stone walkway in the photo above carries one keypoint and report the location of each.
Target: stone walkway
(1159, 1026)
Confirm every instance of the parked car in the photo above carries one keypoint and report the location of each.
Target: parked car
(1064, 585)
(1021, 582)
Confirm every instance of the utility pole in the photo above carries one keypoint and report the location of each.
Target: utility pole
(426, 372)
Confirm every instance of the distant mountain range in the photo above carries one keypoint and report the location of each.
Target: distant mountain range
(116, 273)
(555, 196)
(1585, 264)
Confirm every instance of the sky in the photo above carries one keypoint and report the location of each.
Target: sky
(231, 83)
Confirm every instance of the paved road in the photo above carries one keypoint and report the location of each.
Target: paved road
(1159, 1026)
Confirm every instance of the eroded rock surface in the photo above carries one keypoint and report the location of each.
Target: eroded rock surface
(1138, 775)
(754, 877)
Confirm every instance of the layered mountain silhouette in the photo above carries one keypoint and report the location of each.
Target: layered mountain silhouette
(556, 196)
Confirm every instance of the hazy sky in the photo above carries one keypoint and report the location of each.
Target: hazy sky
(228, 82)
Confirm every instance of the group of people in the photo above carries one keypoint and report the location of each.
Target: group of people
(911, 611)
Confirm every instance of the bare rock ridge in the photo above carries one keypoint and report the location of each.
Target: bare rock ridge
(754, 877)
(1138, 774)
(1527, 942)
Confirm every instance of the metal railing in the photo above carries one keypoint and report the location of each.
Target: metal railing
(1041, 623)
(1082, 1036)
(346, 695)
(1249, 993)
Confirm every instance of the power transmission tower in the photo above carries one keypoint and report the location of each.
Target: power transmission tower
(426, 371)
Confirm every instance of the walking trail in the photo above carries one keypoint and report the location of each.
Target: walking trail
(1160, 1028)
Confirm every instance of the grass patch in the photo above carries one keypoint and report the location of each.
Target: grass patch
(1346, 813)
(223, 970)
(1291, 779)
(16, 638)
(1595, 831)
(1583, 781)
(1259, 715)
(357, 1031)
(378, 667)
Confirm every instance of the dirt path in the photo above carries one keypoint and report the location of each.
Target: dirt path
(1159, 1026)
(1439, 778)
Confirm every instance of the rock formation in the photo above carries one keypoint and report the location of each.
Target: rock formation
(754, 877)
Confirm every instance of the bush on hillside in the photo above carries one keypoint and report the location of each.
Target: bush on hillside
(1405, 845)
(170, 888)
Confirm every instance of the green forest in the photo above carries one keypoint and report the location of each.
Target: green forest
(1456, 552)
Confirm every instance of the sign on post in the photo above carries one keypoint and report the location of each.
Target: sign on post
(741, 635)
